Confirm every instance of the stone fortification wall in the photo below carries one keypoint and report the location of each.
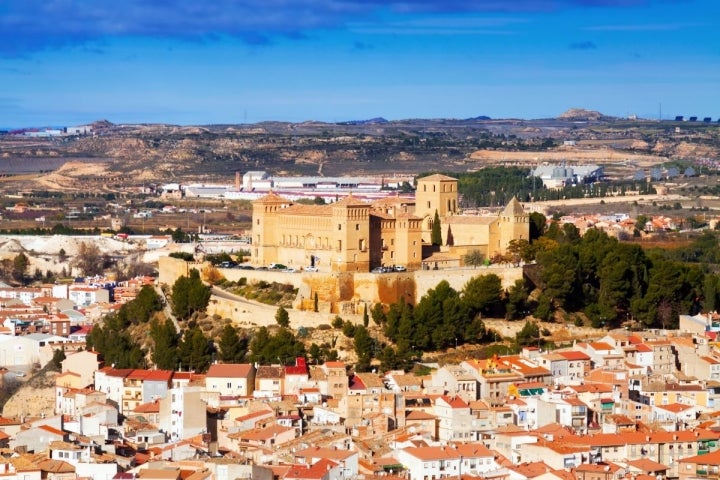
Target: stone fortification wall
(170, 269)
(344, 292)
(457, 278)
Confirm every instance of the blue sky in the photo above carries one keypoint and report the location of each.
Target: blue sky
(65, 62)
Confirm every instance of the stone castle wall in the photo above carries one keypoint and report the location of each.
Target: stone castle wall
(337, 292)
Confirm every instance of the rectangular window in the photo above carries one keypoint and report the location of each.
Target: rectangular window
(357, 226)
(339, 226)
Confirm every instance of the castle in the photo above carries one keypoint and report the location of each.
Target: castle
(351, 235)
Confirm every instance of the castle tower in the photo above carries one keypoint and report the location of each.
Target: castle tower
(351, 235)
(265, 228)
(436, 192)
(513, 224)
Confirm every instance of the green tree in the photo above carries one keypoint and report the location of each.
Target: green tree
(378, 314)
(233, 347)
(187, 256)
(165, 339)
(143, 307)
(282, 317)
(178, 236)
(436, 233)
(440, 318)
(520, 249)
(315, 303)
(283, 347)
(58, 357)
(537, 225)
(559, 272)
(529, 334)
(482, 294)
(366, 317)
(474, 258)
(62, 255)
(113, 341)
(195, 350)
(20, 267)
(364, 345)
(189, 295)
(710, 292)
(517, 296)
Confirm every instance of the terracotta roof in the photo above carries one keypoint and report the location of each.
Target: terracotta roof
(229, 370)
(330, 453)
(436, 177)
(530, 469)
(371, 380)
(407, 380)
(453, 402)
(419, 415)
(335, 364)
(150, 407)
(712, 458)
(310, 472)
(268, 371)
(52, 430)
(253, 415)
(647, 465)
(574, 355)
(55, 466)
(272, 197)
(598, 467)
(261, 434)
(159, 375)
(674, 407)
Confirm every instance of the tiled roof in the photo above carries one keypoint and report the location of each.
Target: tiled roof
(454, 402)
(310, 472)
(436, 177)
(229, 370)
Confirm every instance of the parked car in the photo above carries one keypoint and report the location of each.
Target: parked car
(277, 266)
(288, 270)
(400, 268)
(378, 270)
(311, 269)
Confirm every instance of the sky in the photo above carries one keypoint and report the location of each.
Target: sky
(194, 62)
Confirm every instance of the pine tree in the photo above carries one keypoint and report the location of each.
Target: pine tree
(282, 317)
(233, 346)
(165, 352)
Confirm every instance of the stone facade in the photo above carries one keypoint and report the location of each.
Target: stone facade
(353, 236)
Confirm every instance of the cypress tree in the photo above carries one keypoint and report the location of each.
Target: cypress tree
(436, 234)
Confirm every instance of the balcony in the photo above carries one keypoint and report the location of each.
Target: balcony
(700, 472)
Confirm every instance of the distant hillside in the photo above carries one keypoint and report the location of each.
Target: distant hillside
(581, 114)
(372, 121)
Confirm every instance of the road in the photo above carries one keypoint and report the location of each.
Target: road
(166, 308)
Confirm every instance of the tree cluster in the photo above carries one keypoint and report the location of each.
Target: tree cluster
(613, 281)
(189, 295)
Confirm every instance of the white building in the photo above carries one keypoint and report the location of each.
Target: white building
(449, 461)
